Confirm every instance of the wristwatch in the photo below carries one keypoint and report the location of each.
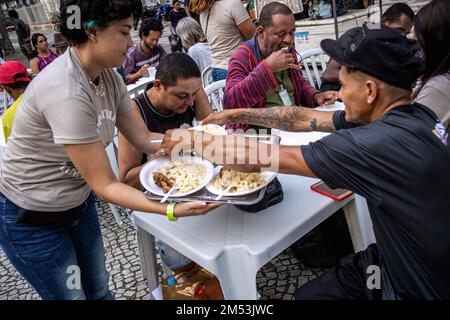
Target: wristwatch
(169, 212)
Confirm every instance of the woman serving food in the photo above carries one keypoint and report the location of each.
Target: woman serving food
(55, 158)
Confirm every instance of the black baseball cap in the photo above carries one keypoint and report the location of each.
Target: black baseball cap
(381, 52)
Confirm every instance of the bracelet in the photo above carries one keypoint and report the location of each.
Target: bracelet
(169, 212)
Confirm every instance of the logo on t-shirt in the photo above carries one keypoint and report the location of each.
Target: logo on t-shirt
(106, 121)
(440, 132)
(105, 115)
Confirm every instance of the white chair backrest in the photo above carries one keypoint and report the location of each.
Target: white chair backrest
(311, 61)
(207, 76)
(215, 94)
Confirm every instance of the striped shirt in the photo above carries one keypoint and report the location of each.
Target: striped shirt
(250, 79)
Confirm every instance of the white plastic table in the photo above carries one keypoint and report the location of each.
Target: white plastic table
(139, 86)
(234, 244)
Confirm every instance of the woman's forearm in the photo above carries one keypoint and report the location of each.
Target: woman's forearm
(129, 197)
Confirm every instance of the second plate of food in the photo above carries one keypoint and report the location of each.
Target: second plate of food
(241, 183)
(187, 174)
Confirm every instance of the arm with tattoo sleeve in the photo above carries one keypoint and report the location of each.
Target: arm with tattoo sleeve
(283, 118)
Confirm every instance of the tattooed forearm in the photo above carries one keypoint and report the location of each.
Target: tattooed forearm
(314, 124)
(286, 118)
(325, 126)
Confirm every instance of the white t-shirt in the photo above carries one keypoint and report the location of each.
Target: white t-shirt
(221, 29)
(59, 107)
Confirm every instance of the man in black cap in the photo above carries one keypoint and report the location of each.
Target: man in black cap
(383, 147)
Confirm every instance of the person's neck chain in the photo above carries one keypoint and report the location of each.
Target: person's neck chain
(100, 88)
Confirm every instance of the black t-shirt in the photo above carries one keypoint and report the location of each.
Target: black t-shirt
(401, 165)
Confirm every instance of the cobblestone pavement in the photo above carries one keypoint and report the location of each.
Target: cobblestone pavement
(276, 280)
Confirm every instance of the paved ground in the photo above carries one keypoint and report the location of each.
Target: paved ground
(276, 280)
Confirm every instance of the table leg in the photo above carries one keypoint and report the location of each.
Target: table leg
(147, 254)
(359, 223)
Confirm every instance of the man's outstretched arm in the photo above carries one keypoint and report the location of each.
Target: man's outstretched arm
(283, 118)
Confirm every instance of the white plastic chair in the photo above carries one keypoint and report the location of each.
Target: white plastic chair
(207, 76)
(311, 60)
(137, 90)
(215, 94)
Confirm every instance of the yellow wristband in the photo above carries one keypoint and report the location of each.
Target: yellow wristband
(169, 212)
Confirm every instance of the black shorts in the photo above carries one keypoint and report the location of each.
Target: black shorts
(346, 281)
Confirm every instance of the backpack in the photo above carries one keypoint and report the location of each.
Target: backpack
(175, 43)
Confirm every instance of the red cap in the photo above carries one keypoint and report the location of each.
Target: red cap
(13, 72)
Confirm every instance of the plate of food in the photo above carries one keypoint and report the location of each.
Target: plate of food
(238, 183)
(185, 175)
(213, 129)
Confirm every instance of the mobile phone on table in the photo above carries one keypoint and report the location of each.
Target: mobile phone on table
(335, 194)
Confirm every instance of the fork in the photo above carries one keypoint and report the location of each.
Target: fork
(223, 193)
(169, 193)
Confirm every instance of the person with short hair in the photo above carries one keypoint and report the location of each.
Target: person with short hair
(43, 55)
(14, 79)
(384, 147)
(174, 98)
(432, 30)
(55, 164)
(194, 41)
(268, 62)
(145, 54)
(399, 17)
(23, 33)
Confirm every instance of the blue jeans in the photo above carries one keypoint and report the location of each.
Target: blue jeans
(64, 261)
(219, 74)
